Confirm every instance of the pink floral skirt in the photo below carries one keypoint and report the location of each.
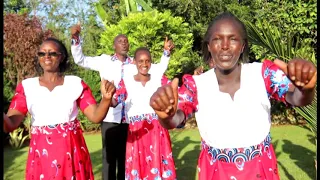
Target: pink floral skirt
(148, 150)
(58, 152)
(252, 163)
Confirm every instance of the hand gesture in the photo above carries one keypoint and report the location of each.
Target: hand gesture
(168, 44)
(198, 71)
(75, 31)
(107, 89)
(165, 100)
(302, 73)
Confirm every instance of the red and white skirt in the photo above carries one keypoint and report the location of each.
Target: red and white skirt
(58, 152)
(252, 163)
(148, 150)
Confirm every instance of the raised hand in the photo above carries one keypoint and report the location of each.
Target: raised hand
(165, 100)
(107, 89)
(302, 73)
(198, 71)
(75, 31)
(168, 44)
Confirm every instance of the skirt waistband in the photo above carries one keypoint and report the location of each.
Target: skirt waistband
(56, 128)
(237, 154)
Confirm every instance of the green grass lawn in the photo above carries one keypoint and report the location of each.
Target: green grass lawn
(294, 146)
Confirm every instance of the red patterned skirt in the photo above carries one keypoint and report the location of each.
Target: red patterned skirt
(148, 150)
(253, 163)
(58, 152)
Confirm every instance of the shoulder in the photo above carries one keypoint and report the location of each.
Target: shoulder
(29, 81)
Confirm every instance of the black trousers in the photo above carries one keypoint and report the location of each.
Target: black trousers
(114, 138)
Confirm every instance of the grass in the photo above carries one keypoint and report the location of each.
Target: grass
(294, 146)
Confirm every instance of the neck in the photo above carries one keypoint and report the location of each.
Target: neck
(121, 58)
(142, 77)
(228, 76)
(51, 76)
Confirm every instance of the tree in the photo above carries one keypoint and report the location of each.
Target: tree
(16, 6)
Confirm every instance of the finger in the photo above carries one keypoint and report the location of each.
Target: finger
(311, 72)
(312, 82)
(166, 39)
(174, 86)
(304, 74)
(297, 71)
(165, 96)
(156, 102)
(282, 65)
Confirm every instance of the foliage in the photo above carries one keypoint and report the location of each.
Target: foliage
(16, 6)
(270, 39)
(148, 29)
(197, 13)
(17, 138)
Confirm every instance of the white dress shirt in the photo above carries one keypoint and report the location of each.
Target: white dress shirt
(112, 70)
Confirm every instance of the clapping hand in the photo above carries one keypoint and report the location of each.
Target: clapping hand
(107, 89)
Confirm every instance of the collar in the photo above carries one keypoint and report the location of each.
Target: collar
(127, 61)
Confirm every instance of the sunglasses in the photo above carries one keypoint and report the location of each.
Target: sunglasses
(50, 54)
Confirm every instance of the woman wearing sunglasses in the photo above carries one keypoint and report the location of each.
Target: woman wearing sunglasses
(57, 147)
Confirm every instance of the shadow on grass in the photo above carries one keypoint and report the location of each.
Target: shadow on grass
(301, 156)
(96, 160)
(186, 165)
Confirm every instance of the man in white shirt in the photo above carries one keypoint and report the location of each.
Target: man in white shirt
(114, 127)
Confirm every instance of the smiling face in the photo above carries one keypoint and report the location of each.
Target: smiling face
(143, 61)
(121, 45)
(49, 57)
(226, 44)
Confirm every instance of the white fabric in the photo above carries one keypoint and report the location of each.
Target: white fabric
(55, 107)
(111, 70)
(138, 100)
(242, 122)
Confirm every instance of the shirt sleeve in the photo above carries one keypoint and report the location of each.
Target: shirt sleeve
(188, 100)
(93, 63)
(276, 81)
(121, 92)
(86, 98)
(162, 66)
(19, 101)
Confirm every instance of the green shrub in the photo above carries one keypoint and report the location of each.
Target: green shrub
(149, 29)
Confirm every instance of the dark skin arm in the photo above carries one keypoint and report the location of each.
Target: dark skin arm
(97, 112)
(303, 75)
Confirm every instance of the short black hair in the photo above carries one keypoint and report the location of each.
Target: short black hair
(64, 64)
(119, 35)
(141, 49)
(244, 57)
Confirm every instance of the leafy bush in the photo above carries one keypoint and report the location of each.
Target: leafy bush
(18, 137)
(149, 29)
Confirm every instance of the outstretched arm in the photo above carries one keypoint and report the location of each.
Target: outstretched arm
(303, 75)
(162, 66)
(93, 63)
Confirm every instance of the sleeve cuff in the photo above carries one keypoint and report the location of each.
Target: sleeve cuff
(76, 41)
(166, 53)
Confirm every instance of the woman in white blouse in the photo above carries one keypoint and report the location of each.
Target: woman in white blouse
(57, 147)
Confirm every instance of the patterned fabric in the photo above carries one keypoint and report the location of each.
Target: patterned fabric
(262, 166)
(58, 152)
(277, 85)
(127, 61)
(234, 155)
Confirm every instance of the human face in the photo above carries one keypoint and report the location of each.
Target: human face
(121, 45)
(226, 44)
(143, 62)
(49, 57)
